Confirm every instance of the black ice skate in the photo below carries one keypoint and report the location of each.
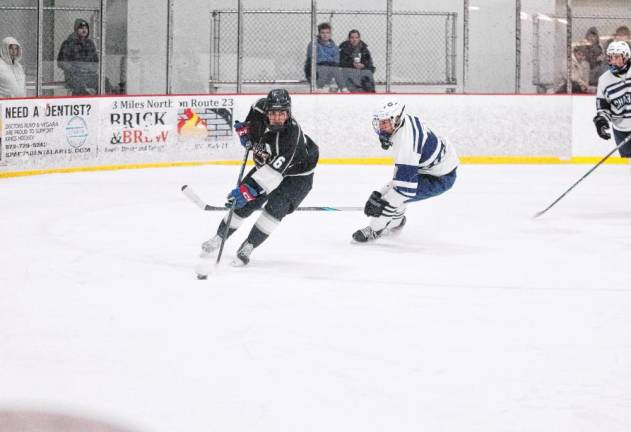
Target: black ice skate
(243, 255)
(366, 234)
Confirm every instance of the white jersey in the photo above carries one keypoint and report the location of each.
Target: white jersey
(613, 99)
(418, 150)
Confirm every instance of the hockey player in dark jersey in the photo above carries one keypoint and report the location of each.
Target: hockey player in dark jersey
(285, 159)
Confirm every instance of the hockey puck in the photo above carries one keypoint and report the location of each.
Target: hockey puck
(202, 277)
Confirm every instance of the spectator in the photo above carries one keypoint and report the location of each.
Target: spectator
(12, 78)
(595, 56)
(328, 59)
(356, 64)
(622, 34)
(580, 73)
(79, 61)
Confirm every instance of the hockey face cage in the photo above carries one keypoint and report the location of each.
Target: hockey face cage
(622, 49)
(392, 111)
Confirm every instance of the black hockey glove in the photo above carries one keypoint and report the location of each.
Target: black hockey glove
(385, 141)
(375, 205)
(602, 125)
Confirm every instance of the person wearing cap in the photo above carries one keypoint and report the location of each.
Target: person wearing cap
(12, 78)
(79, 60)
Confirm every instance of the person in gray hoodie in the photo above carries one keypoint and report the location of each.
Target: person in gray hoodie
(12, 78)
(79, 60)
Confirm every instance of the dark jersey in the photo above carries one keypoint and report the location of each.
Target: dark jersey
(288, 152)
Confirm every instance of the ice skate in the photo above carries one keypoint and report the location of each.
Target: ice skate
(210, 246)
(243, 255)
(397, 229)
(366, 234)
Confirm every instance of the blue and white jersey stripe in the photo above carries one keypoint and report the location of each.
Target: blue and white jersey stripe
(418, 150)
(613, 99)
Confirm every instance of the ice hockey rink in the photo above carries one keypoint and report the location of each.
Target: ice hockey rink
(476, 318)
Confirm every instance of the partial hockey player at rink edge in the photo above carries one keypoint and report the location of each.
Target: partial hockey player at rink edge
(613, 97)
(425, 166)
(285, 159)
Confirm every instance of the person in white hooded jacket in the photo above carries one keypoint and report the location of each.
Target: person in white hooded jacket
(12, 78)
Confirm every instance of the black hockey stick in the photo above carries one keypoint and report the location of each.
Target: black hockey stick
(190, 194)
(232, 207)
(626, 140)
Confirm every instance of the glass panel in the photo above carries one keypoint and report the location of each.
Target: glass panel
(115, 61)
(491, 47)
(146, 47)
(18, 19)
(593, 29)
(71, 52)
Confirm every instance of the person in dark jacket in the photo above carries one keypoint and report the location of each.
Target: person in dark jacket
(356, 64)
(79, 60)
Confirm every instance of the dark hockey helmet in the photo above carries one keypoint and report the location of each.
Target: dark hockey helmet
(277, 100)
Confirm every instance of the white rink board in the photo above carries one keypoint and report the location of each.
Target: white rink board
(117, 131)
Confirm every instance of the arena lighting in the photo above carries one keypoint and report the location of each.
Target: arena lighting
(524, 16)
(544, 17)
(474, 8)
(562, 20)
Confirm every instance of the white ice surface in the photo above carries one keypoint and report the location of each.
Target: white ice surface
(476, 318)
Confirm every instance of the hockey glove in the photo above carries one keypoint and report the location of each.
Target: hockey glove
(602, 125)
(385, 141)
(243, 130)
(375, 205)
(240, 196)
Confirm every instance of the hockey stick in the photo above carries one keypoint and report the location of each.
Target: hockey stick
(626, 140)
(190, 194)
(232, 207)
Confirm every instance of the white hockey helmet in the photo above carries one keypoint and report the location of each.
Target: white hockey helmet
(389, 110)
(620, 48)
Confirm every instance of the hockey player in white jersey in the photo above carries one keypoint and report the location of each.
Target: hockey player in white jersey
(613, 97)
(425, 166)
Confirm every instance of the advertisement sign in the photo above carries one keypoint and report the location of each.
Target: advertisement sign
(40, 133)
(204, 125)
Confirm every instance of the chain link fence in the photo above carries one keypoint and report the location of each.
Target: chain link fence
(58, 26)
(39, 59)
(584, 46)
(414, 49)
(19, 22)
(423, 45)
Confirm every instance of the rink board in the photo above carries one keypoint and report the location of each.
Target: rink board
(86, 134)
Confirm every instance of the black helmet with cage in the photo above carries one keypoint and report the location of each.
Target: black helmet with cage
(278, 100)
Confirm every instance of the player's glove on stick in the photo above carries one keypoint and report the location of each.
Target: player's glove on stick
(243, 131)
(241, 196)
(602, 125)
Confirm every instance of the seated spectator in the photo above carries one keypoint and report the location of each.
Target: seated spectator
(327, 59)
(580, 73)
(356, 63)
(622, 34)
(595, 56)
(79, 60)
(12, 77)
